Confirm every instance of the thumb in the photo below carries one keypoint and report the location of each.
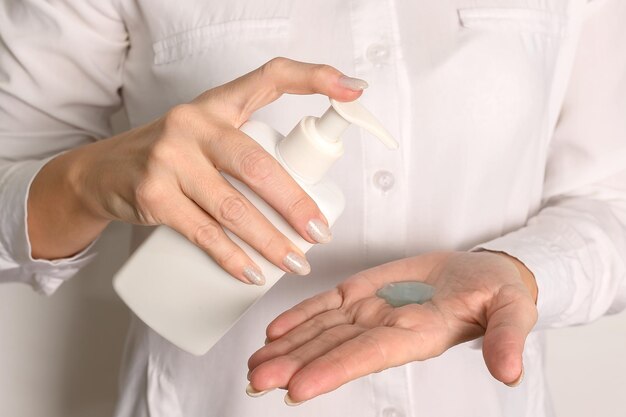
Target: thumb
(509, 321)
(241, 97)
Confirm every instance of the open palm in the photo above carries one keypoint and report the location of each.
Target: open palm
(349, 332)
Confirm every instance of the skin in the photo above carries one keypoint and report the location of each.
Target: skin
(348, 332)
(168, 172)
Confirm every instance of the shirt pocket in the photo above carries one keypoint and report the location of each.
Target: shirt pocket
(501, 83)
(219, 37)
(203, 56)
(515, 52)
(513, 20)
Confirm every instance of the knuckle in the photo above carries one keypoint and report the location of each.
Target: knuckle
(162, 153)
(180, 117)
(181, 126)
(268, 244)
(274, 65)
(257, 165)
(270, 72)
(300, 204)
(323, 72)
(228, 258)
(206, 235)
(233, 209)
(150, 193)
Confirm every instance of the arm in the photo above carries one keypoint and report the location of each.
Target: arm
(576, 245)
(165, 172)
(52, 98)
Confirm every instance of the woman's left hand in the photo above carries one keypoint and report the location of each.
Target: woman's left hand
(349, 332)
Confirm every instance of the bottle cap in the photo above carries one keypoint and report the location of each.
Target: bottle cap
(315, 143)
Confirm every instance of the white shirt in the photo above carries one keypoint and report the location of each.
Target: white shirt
(512, 121)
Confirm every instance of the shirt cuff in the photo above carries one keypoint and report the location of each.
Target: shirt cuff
(547, 251)
(16, 261)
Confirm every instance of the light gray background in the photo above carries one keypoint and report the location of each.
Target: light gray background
(60, 355)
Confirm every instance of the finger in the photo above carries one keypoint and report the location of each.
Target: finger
(248, 162)
(267, 83)
(277, 372)
(297, 337)
(369, 352)
(509, 322)
(234, 211)
(202, 230)
(302, 312)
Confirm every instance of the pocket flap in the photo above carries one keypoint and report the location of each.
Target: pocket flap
(513, 19)
(195, 40)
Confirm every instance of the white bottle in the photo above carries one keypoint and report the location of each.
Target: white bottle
(181, 293)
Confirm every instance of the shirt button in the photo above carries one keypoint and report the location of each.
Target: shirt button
(378, 53)
(391, 412)
(384, 180)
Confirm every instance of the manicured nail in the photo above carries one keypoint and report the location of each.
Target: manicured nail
(254, 275)
(254, 393)
(319, 231)
(297, 264)
(291, 402)
(354, 84)
(519, 379)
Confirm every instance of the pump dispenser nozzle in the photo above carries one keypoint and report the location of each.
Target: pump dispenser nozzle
(315, 143)
(331, 125)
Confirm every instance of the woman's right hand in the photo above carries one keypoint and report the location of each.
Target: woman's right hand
(169, 172)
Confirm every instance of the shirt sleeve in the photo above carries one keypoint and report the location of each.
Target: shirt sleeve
(60, 81)
(576, 244)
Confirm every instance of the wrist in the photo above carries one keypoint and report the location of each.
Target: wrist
(60, 224)
(70, 172)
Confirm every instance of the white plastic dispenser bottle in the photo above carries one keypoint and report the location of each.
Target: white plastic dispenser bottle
(185, 296)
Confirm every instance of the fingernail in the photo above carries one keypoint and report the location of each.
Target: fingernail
(254, 275)
(319, 231)
(297, 264)
(267, 340)
(291, 402)
(519, 379)
(254, 393)
(354, 84)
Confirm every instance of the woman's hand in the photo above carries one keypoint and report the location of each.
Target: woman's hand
(349, 332)
(168, 172)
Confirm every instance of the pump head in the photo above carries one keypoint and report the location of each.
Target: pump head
(315, 144)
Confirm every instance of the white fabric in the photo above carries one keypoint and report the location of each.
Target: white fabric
(512, 121)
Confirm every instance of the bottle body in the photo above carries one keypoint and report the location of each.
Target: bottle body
(185, 296)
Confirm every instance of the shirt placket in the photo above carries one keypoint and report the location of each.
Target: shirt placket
(378, 59)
